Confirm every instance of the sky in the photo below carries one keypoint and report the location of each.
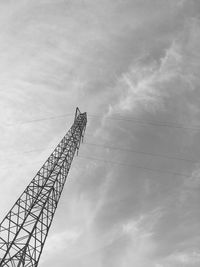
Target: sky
(133, 192)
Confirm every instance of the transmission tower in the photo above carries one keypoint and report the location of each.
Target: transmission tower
(24, 229)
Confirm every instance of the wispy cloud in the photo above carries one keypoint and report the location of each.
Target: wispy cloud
(133, 59)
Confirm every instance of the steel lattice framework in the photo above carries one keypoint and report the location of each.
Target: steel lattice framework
(25, 228)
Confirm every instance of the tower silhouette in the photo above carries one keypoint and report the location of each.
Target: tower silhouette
(24, 229)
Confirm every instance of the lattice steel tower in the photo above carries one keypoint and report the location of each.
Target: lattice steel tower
(24, 229)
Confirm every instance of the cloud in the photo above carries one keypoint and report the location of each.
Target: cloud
(139, 245)
(137, 59)
(58, 242)
(162, 90)
(186, 258)
(146, 86)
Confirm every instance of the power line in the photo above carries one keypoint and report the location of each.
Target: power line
(118, 163)
(141, 152)
(18, 165)
(136, 166)
(120, 149)
(152, 123)
(24, 152)
(133, 120)
(41, 119)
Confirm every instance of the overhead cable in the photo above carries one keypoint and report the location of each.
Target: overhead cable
(141, 152)
(136, 166)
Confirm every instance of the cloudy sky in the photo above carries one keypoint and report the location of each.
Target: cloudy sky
(133, 193)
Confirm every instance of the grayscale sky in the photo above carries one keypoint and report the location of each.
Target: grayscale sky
(134, 66)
